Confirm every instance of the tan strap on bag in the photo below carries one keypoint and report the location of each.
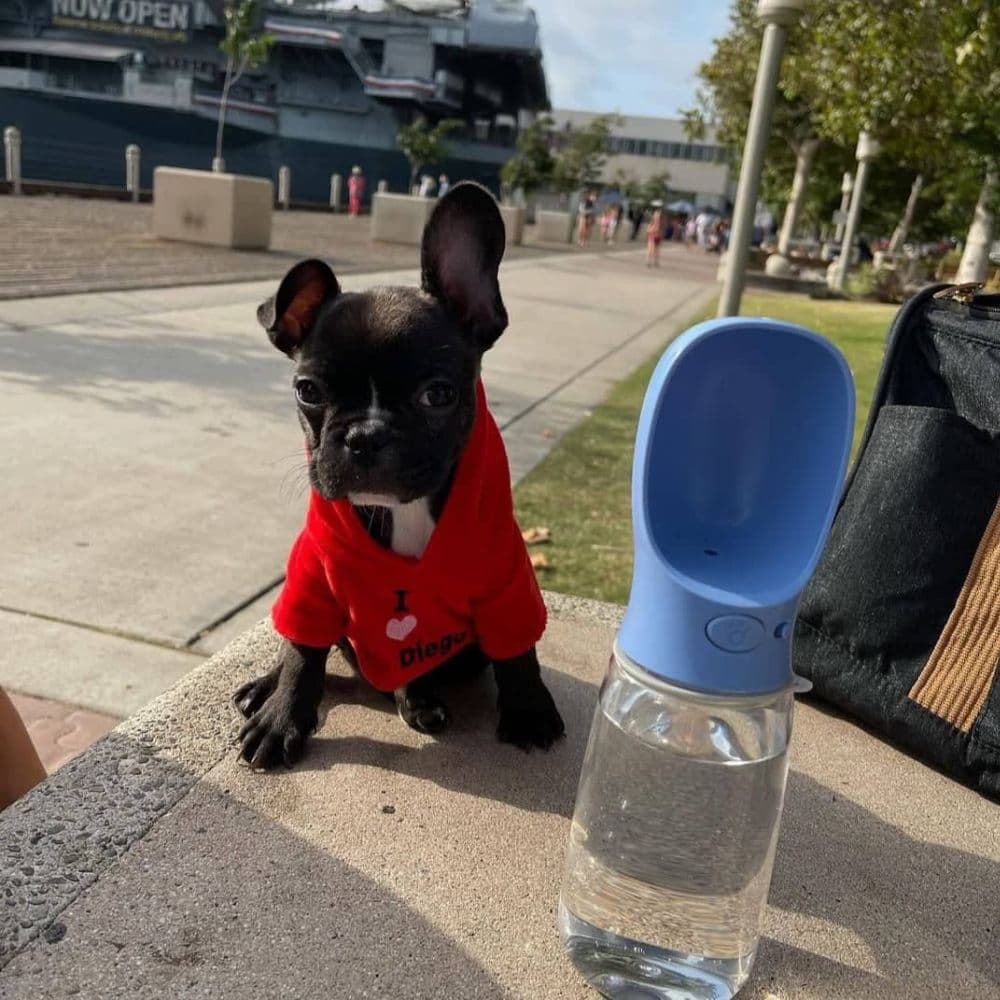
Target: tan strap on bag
(959, 674)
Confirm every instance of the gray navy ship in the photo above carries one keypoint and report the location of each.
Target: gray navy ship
(84, 78)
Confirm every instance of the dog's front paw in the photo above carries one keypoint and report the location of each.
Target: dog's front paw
(533, 722)
(276, 734)
(249, 697)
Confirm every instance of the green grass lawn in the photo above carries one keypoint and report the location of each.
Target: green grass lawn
(582, 489)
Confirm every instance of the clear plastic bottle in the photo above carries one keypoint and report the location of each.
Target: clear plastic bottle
(673, 837)
(740, 454)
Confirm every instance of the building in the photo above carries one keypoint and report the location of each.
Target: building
(644, 147)
(84, 78)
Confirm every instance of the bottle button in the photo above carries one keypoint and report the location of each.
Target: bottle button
(735, 633)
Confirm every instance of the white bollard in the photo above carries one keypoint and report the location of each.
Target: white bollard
(383, 186)
(336, 187)
(12, 157)
(284, 187)
(133, 161)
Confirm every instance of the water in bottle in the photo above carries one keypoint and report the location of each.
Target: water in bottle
(673, 837)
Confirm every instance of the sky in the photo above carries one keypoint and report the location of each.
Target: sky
(637, 57)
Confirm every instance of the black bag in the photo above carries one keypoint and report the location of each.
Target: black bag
(900, 625)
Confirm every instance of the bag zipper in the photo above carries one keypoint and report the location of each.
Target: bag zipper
(966, 295)
(962, 294)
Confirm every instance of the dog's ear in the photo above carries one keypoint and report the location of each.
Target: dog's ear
(459, 259)
(290, 315)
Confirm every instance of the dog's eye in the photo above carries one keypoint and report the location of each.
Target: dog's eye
(307, 392)
(437, 395)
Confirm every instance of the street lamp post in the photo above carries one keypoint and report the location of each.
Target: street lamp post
(777, 15)
(868, 149)
(846, 186)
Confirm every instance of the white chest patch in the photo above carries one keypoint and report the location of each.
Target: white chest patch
(412, 527)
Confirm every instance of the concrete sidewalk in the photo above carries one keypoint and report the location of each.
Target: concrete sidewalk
(57, 245)
(393, 865)
(154, 467)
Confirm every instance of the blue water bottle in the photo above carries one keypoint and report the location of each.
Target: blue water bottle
(740, 456)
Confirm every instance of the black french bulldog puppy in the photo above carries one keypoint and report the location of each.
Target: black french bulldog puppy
(389, 397)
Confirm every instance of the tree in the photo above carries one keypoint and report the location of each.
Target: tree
(925, 79)
(880, 67)
(582, 157)
(977, 123)
(244, 49)
(531, 167)
(422, 144)
(628, 184)
(923, 76)
(653, 189)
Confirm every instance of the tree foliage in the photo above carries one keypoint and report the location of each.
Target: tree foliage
(583, 154)
(423, 144)
(923, 76)
(531, 167)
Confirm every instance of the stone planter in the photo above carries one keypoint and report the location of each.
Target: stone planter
(400, 218)
(554, 227)
(226, 210)
(513, 222)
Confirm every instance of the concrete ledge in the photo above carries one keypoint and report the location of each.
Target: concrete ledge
(400, 218)
(393, 864)
(197, 206)
(778, 283)
(513, 223)
(553, 227)
(86, 816)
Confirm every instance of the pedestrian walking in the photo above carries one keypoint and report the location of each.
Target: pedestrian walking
(613, 222)
(355, 191)
(443, 185)
(606, 224)
(654, 235)
(690, 233)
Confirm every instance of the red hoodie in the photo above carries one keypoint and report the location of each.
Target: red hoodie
(404, 616)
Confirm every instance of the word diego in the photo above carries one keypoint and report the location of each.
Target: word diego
(429, 650)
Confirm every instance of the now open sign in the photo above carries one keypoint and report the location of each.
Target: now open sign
(160, 20)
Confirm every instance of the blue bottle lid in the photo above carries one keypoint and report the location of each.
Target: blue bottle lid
(740, 458)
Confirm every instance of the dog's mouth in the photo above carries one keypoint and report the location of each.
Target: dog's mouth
(376, 488)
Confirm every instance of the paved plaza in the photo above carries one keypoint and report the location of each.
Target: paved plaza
(53, 245)
(155, 467)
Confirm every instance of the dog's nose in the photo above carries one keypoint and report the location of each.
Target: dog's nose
(365, 440)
